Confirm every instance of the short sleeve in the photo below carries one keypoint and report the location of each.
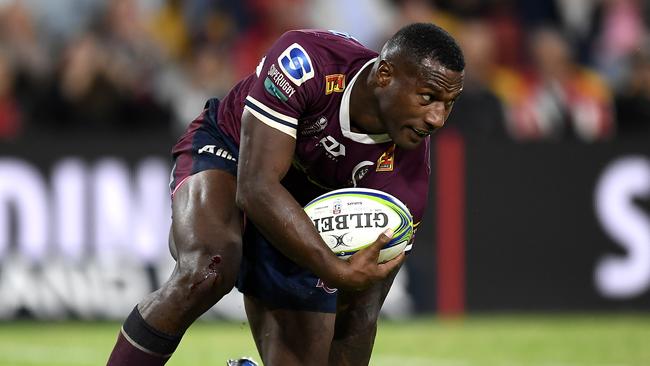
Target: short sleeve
(286, 81)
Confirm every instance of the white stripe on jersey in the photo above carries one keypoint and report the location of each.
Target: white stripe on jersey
(274, 119)
(344, 115)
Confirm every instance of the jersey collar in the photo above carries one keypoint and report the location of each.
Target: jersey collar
(344, 116)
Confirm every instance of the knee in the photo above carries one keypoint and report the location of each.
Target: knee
(202, 279)
(364, 318)
(358, 317)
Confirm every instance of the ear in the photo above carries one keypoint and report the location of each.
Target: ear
(384, 73)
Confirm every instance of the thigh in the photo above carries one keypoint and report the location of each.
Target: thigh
(269, 276)
(206, 220)
(290, 337)
(206, 223)
(356, 323)
(206, 243)
(364, 306)
(206, 231)
(206, 236)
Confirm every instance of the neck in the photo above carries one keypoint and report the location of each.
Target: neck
(363, 104)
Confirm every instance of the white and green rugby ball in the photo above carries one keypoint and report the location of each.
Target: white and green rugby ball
(351, 219)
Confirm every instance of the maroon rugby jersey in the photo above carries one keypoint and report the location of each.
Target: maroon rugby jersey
(302, 88)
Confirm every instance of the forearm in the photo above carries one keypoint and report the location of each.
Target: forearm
(265, 156)
(284, 223)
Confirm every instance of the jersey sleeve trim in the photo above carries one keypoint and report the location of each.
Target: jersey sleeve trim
(279, 121)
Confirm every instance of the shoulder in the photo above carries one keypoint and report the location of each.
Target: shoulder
(321, 45)
(322, 37)
(307, 56)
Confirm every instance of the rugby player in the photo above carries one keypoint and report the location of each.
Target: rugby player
(320, 112)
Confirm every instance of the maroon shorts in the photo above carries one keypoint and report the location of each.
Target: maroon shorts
(203, 146)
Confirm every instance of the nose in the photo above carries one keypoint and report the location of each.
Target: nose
(435, 115)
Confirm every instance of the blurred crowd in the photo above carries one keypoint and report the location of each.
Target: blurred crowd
(536, 69)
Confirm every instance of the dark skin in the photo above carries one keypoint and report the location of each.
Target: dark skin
(412, 101)
(394, 96)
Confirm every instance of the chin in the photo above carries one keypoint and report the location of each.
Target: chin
(407, 143)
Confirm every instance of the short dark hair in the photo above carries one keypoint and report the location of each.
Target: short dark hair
(419, 41)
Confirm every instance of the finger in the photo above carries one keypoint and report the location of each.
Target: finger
(389, 266)
(382, 240)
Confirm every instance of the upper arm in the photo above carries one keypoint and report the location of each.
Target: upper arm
(286, 86)
(287, 83)
(265, 153)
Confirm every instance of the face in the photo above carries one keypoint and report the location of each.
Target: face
(415, 100)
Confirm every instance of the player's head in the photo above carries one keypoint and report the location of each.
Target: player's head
(419, 75)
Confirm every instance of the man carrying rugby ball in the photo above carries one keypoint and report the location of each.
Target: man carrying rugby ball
(320, 112)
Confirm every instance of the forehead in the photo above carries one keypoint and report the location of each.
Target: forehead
(433, 73)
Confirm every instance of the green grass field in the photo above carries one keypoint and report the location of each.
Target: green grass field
(503, 340)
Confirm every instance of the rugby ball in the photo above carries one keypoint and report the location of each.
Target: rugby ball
(351, 219)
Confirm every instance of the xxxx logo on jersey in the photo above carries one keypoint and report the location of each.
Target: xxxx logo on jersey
(386, 161)
(334, 83)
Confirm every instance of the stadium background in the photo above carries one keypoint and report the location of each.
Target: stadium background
(540, 199)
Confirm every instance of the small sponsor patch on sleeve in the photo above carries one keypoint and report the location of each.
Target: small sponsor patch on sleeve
(272, 89)
(277, 84)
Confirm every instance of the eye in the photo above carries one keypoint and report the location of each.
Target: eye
(427, 98)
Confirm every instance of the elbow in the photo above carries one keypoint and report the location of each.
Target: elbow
(249, 191)
(242, 196)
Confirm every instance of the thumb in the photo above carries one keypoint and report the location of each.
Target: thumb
(382, 240)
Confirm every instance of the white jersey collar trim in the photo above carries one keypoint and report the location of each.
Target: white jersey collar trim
(344, 116)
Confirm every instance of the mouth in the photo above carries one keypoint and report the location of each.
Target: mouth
(422, 133)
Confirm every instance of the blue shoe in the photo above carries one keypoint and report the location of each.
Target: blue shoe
(244, 361)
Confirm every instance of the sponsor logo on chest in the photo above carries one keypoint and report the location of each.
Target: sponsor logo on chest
(333, 147)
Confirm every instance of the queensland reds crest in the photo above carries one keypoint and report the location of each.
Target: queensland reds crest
(386, 160)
